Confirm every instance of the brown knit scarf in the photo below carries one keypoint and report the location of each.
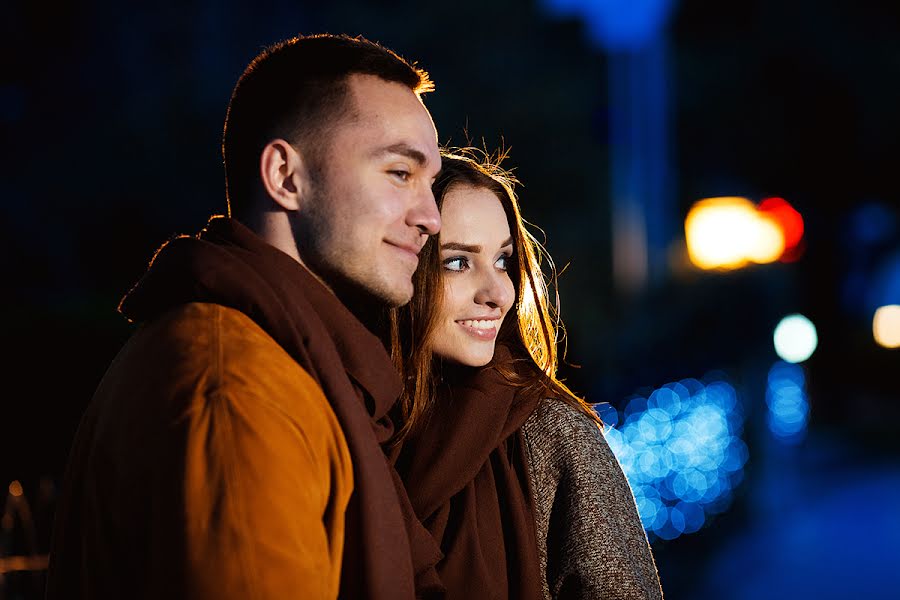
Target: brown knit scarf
(466, 476)
(387, 552)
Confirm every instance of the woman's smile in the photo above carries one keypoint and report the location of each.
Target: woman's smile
(480, 329)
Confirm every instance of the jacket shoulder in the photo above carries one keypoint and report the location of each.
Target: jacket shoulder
(559, 435)
(207, 347)
(185, 361)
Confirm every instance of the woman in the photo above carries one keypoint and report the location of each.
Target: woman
(506, 467)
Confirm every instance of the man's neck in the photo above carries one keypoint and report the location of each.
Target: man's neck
(368, 310)
(274, 227)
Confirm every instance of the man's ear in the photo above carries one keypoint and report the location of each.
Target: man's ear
(284, 174)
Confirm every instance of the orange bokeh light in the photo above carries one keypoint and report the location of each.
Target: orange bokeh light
(729, 232)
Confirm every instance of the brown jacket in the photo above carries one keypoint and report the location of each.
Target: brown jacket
(208, 465)
(590, 539)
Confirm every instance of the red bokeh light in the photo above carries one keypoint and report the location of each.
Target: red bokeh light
(788, 219)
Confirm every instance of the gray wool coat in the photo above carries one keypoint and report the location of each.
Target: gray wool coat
(590, 539)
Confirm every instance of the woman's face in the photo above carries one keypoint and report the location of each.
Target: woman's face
(476, 249)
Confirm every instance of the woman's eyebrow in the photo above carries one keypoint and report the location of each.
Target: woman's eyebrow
(474, 249)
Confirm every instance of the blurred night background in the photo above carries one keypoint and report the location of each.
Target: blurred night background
(755, 477)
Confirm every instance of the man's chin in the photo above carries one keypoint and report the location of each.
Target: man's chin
(393, 290)
(397, 296)
(373, 295)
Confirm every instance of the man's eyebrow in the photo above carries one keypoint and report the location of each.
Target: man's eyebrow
(404, 150)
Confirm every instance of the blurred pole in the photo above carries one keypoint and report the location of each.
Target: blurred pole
(644, 212)
(641, 198)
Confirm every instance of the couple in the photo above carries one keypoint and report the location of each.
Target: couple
(248, 441)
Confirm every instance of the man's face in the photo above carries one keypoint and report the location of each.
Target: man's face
(372, 208)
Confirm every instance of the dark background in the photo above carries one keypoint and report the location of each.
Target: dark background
(111, 116)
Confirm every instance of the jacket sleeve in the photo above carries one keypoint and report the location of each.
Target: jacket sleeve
(596, 545)
(266, 483)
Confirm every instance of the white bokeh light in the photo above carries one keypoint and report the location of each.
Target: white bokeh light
(886, 326)
(795, 338)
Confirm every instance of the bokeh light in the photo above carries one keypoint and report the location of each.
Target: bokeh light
(795, 338)
(787, 217)
(872, 223)
(681, 450)
(728, 232)
(886, 326)
(614, 24)
(788, 406)
(884, 282)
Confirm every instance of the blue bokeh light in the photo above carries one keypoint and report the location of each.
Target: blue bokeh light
(608, 414)
(617, 25)
(681, 450)
(872, 223)
(788, 406)
(884, 287)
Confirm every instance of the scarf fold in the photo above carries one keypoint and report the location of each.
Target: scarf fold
(466, 474)
(387, 552)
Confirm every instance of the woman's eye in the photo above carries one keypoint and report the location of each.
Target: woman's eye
(503, 262)
(457, 263)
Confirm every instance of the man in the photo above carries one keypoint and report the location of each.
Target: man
(232, 449)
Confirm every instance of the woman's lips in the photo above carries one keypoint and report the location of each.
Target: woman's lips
(480, 329)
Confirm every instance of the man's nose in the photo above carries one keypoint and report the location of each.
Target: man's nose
(424, 215)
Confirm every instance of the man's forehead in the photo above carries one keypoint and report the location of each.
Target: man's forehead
(382, 138)
(377, 100)
(388, 117)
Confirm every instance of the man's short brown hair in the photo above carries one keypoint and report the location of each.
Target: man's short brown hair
(295, 90)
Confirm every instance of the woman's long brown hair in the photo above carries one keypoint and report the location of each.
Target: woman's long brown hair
(532, 335)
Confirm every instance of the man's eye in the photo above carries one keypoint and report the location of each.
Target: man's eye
(457, 263)
(401, 174)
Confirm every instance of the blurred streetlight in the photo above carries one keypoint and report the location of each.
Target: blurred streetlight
(886, 326)
(795, 338)
(729, 232)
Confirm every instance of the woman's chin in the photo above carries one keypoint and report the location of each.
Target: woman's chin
(469, 359)
(480, 362)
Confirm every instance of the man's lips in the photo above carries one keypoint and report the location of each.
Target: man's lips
(409, 248)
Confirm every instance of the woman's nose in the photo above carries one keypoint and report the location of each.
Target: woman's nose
(495, 290)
